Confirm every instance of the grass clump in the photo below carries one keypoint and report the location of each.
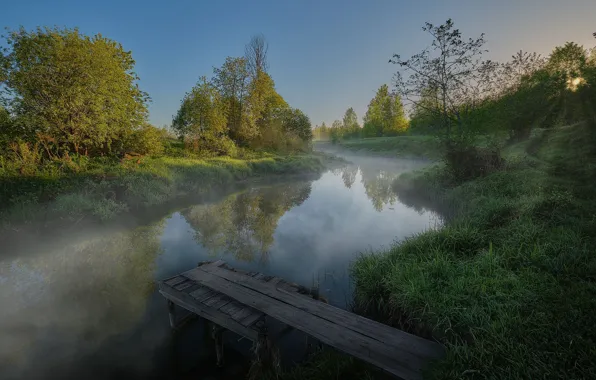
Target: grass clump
(508, 283)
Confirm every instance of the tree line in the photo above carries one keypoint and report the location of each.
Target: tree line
(385, 116)
(64, 94)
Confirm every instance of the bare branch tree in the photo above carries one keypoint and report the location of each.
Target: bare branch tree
(450, 69)
(256, 55)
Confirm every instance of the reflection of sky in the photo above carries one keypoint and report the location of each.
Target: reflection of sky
(315, 241)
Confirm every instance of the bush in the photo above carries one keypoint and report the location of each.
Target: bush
(466, 162)
(208, 145)
(147, 140)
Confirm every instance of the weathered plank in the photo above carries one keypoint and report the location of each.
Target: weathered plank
(231, 308)
(184, 285)
(217, 301)
(396, 360)
(398, 339)
(189, 303)
(175, 280)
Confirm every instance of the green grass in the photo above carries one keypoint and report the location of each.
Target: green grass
(402, 146)
(103, 189)
(508, 284)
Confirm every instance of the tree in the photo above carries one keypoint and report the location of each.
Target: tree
(385, 115)
(201, 119)
(232, 81)
(350, 123)
(297, 123)
(263, 102)
(452, 67)
(77, 91)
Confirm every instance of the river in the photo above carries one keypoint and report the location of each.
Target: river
(86, 304)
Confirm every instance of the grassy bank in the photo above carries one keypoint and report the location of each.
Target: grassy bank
(103, 189)
(400, 146)
(508, 283)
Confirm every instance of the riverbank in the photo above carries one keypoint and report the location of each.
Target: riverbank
(427, 147)
(508, 283)
(102, 190)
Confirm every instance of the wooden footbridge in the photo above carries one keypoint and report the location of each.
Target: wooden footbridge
(241, 302)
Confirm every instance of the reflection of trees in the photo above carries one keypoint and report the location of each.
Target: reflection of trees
(376, 182)
(377, 185)
(348, 175)
(243, 224)
(70, 300)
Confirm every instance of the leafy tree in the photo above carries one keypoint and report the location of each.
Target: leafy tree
(77, 91)
(385, 115)
(452, 67)
(263, 102)
(350, 123)
(201, 120)
(297, 123)
(232, 81)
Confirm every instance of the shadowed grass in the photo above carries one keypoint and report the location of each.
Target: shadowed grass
(508, 284)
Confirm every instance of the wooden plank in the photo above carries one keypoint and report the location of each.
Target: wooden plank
(175, 280)
(184, 285)
(231, 308)
(243, 313)
(251, 318)
(186, 301)
(397, 361)
(202, 294)
(258, 276)
(217, 301)
(397, 338)
(215, 264)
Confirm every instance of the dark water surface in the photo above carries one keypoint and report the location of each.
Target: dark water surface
(87, 306)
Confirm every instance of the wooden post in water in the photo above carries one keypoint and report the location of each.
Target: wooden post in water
(217, 334)
(172, 312)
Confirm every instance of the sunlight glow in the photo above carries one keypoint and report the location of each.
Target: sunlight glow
(573, 84)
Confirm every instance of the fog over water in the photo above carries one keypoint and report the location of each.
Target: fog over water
(87, 306)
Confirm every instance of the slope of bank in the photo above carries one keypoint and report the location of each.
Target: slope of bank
(103, 190)
(508, 284)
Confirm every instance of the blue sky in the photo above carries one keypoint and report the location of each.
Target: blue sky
(324, 56)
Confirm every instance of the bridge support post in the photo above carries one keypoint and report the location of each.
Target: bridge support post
(217, 335)
(172, 312)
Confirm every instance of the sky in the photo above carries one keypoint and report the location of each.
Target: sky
(324, 55)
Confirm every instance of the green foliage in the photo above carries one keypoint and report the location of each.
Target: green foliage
(240, 107)
(385, 115)
(146, 140)
(76, 93)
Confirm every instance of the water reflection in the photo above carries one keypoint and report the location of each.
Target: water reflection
(244, 223)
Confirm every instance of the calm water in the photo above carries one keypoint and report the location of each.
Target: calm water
(87, 304)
